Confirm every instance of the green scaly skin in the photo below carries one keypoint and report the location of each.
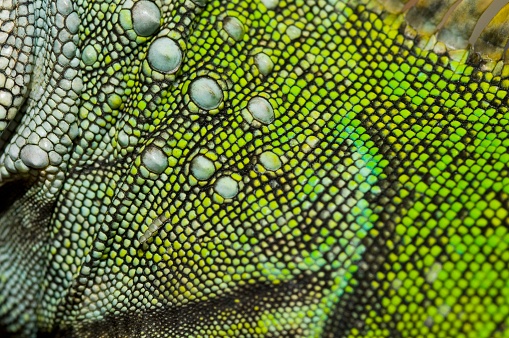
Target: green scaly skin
(331, 179)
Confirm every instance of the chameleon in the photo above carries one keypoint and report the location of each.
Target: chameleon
(254, 168)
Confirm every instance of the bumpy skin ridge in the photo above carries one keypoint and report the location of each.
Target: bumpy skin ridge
(254, 169)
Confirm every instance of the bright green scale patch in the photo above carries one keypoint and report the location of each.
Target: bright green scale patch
(447, 274)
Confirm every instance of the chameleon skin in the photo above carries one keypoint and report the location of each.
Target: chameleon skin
(257, 169)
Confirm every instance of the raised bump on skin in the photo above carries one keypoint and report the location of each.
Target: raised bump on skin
(233, 27)
(261, 110)
(165, 55)
(34, 156)
(202, 168)
(227, 187)
(264, 63)
(155, 160)
(270, 4)
(89, 55)
(270, 161)
(206, 93)
(146, 18)
(64, 7)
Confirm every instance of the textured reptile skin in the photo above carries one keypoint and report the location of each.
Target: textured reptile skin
(264, 168)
